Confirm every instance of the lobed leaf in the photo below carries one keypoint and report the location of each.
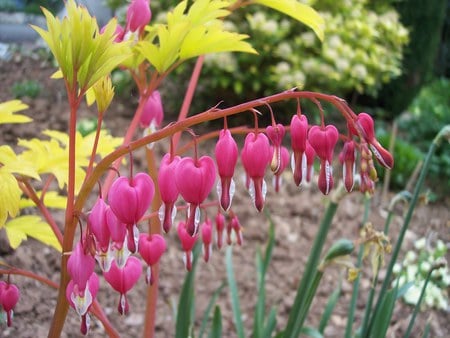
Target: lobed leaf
(300, 12)
(9, 195)
(20, 228)
(8, 110)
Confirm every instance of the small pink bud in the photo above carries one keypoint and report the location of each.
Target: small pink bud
(284, 160)
(347, 157)
(123, 280)
(138, 15)
(195, 179)
(129, 199)
(220, 226)
(153, 111)
(80, 267)
(151, 248)
(299, 137)
(323, 140)
(168, 190)
(275, 135)
(9, 296)
(234, 226)
(365, 122)
(226, 152)
(207, 239)
(255, 157)
(187, 242)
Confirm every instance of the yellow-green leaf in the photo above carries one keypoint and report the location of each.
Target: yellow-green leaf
(9, 195)
(16, 164)
(51, 200)
(8, 110)
(20, 228)
(300, 12)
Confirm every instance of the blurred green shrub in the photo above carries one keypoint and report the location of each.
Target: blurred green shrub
(428, 113)
(26, 88)
(34, 6)
(361, 51)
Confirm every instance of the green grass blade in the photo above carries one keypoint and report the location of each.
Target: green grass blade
(426, 331)
(216, 328)
(270, 324)
(383, 317)
(186, 303)
(331, 304)
(311, 332)
(207, 312)
(234, 293)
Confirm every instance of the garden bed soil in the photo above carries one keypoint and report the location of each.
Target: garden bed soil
(296, 212)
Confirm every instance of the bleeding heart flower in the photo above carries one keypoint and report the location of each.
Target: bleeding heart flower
(226, 152)
(347, 157)
(123, 280)
(118, 230)
(195, 179)
(80, 266)
(168, 190)
(365, 122)
(129, 199)
(153, 111)
(255, 157)
(207, 239)
(187, 242)
(82, 303)
(323, 140)
(151, 248)
(138, 15)
(299, 137)
(9, 296)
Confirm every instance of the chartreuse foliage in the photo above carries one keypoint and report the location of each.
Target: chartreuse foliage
(38, 158)
(84, 54)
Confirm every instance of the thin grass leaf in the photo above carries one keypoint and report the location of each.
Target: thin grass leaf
(186, 303)
(207, 313)
(235, 305)
(331, 304)
(382, 318)
(216, 329)
(426, 331)
(311, 332)
(270, 324)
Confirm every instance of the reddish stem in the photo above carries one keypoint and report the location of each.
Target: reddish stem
(94, 147)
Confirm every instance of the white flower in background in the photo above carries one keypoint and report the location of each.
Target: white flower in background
(420, 244)
(412, 295)
(284, 50)
(308, 38)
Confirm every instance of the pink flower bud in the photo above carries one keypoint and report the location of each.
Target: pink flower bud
(153, 111)
(98, 226)
(9, 296)
(151, 248)
(234, 226)
(226, 152)
(255, 157)
(347, 157)
(80, 267)
(129, 199)
(119, 33)
(220, 226)
(323, 140)
(284, 160)
(194, 179)
(187, 242)
(168, 190)
(207, 239)
(365, 122)
(138, 15)
(275, 135)
(299, 137)
(123, 280)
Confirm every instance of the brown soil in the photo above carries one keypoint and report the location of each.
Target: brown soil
(296, 213)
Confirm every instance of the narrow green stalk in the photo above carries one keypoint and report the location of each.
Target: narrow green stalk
(417, 307)
(309, 297)
(412, 205)
(352, 309)
(293, 327)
